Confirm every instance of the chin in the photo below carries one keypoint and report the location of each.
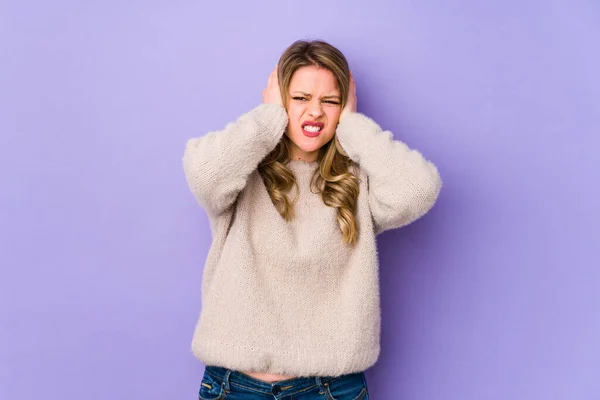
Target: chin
(309, 144)
(309, 147)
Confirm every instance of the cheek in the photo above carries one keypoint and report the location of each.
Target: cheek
(294, 113)
(333, 116)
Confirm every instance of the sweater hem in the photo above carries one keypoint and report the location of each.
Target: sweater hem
(320, 361)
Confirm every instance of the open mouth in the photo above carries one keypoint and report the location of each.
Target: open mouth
(312, 129)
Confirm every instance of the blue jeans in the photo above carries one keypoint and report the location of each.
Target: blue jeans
(220, 383)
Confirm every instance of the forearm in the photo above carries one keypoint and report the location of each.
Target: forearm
(217, 165)
(403, 185)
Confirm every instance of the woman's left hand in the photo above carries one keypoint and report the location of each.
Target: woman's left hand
(352, 100)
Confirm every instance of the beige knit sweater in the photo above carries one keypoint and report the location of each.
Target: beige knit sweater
(292, 297)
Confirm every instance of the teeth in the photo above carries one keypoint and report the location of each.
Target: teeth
(311, 128)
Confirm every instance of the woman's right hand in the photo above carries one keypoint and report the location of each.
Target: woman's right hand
(272, 94)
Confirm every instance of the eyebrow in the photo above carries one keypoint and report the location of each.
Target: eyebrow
(324, 97)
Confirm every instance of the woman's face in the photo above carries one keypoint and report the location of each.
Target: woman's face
(314, 108)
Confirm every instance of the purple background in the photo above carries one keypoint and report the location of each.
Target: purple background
(493, 295)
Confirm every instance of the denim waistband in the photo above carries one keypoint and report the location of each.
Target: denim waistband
(286, 387)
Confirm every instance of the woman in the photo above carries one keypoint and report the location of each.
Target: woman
(296, 191)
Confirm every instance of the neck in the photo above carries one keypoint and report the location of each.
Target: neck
(299, 155)
(304, 156)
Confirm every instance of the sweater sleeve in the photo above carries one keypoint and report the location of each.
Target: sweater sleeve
(218, 164)
(402, 184)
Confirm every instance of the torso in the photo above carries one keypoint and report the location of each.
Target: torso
(327, 240)
(263, 376)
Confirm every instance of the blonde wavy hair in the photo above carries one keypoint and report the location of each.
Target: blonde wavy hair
(333, 178)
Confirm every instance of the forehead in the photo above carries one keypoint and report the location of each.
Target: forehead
(311, 79)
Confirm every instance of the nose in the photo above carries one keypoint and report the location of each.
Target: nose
(315, 110)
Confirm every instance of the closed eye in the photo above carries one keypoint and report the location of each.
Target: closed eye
(300, 98)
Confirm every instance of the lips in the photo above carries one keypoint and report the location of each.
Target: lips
(320, 125)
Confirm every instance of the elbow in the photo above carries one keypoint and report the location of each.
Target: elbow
(195, 170)
(427, 191)
(207, 180)
(405, 206)
(189, 156)
(190, 165)
(433, 186)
